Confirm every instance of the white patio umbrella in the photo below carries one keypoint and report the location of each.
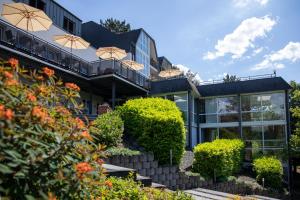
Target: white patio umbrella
(26, 17)
(109, 53)
(133, 65)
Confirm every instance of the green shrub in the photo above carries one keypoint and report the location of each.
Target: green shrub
(222, 157)
(108, 129)
(157, 125)
(270, 169)
(116, 151)
(128, 189)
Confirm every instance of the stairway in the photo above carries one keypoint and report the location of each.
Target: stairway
(123, 172)
(201, 194)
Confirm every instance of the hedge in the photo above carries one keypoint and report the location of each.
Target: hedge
(270, 169)
(222, 157)
(128, 189)
(158, 126)
(108, 129)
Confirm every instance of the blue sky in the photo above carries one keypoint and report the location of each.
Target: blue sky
(212, 38)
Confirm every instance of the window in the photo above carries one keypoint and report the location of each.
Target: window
(229, 133)
(265, 107)
(209, 134)
(69, 25)
(37, 4)
(253, 136)
(274, 136)
(220, 110)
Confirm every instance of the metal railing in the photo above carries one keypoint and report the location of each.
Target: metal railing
(32, 45)
(246, 78)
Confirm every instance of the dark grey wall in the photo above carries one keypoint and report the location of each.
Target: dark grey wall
(56, 12)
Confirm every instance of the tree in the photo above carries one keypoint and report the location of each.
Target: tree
(115, 25)
(192, 77)
(230, 78)
(295, 118)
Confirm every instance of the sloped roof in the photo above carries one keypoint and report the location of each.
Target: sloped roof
(172, 85)
(240, 87)
(99, 36)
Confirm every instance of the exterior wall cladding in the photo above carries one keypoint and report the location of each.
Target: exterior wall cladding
(255, 110)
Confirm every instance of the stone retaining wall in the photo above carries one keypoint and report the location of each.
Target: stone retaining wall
(170, 176)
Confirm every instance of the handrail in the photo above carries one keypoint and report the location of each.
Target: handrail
(246, 78)
(38, 47)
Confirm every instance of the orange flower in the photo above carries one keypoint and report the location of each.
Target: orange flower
(2, 111)
(39, 113)
(108, 183)
(48, 72)
(83, 167)
(9, 114)
(62, 110)
(79, 123)
(86, 135)
(8, 75)
(100, 161)
(11, 82)
(31, 97)
(13, 62)
(72, 86)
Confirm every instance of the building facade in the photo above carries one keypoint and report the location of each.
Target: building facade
(254, 109)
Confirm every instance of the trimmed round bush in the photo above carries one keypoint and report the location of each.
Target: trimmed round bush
(222, 158)
(269, 168)
(108, 129)
(158, 126)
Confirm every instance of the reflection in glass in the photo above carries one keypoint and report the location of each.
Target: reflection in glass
(229, 133)
(234, 117)
(274, 136)
(227, 105)
(209, 134)
(252, 136)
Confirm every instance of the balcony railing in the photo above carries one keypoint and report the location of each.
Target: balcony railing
(30, 44)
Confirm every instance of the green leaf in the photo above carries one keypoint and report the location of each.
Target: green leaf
(5, 169)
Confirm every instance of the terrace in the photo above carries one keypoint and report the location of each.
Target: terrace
(17, 40)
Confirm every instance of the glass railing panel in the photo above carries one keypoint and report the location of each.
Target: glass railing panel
(39, 48)
(24, 41)
(106, 67)
(117, 67)
(9, 35)
(53, 54)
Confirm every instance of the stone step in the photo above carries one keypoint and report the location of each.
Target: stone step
(117, 171)
(157, 185)
(145, 181)
(202, 195)
(258, 197)
(213, 192)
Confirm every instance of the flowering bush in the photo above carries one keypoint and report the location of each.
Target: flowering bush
(46, 152)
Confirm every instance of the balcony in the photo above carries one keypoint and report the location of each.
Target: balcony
(29, 44)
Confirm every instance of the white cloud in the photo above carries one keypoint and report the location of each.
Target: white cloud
(241, 39)
(244, 3)
(257, 51)
(291, 52)
(185, 69)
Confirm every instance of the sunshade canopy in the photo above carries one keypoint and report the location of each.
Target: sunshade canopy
(111, 53)
(133, 65)
(71, 41)
(26, 17)
(170, 73)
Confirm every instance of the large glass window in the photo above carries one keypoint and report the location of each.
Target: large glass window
(229, 133)
(209, 134)
(143, 53)
(219, 110)
(181, 101)
(265, 107)
(274, 136)
(253, 136)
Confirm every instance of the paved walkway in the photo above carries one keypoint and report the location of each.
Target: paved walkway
(201, 194)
